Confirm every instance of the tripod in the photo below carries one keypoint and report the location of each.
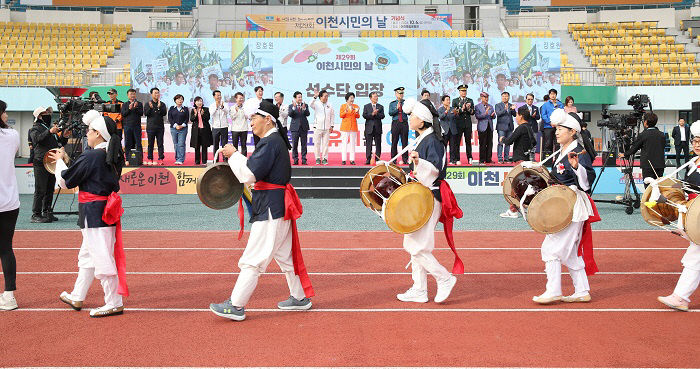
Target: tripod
(75, 151)
(627, 200)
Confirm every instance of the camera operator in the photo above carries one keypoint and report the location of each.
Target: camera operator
(44, 139)
(652, 142)
(116, 117)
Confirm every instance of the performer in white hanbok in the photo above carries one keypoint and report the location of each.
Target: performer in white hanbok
(428, 162)
(96, 172)
(275, 208)
(690, 276)
(572, 246)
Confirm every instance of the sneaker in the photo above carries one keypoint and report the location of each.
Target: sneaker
(68, 299)
(178, 163)
(366, 162)
(352, 163)
(413, 295)
(509, 214)
(106, 310)
(39, 219)
(674, 302)
(342, 162)
(303, 162)
(293, 304)
(7, 303)
(444, 289)
(227, 310)
(318, 161)
(458, 162)
(50, 216)
(325, 162)
(546, 300)
(296, 162)
(161, 162)
(400, 162)
(584, 298)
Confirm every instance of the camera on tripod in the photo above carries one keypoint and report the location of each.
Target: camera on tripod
(626, 122)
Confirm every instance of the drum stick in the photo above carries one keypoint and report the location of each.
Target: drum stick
(405, 149)
(549, 157)
(668, 176)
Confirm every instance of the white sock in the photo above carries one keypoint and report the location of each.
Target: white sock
(8, 294)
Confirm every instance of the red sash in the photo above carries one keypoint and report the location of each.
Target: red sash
(585, 247)
(292, 211)
(112, 215)
(450, 210)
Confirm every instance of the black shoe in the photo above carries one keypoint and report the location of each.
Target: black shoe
(342, 162)
(318, 161)
(296, 162)
(50, 216)
(303, 162)
(352, 163)
(325, 162)
(366, 162)
(40, 219)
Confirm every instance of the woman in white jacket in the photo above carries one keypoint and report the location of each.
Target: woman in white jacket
(9, 207)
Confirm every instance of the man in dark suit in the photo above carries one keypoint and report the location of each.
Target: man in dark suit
(373, 114)
(399, 125)
(132, 110)
(505, 112)
(652, 142)
(534, 120)
(681, 137)
(465, 110)
(299, 126)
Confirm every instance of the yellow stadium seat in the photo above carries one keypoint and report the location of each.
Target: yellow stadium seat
(478, 33)
(470, 33)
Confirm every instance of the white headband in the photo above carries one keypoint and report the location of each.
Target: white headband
(559, 116)
(570, 122)
(415, 108)
(96, 121)
(695, 128)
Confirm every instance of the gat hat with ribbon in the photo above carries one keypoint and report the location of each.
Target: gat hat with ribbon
(462, 87)
(399, 89)
(267, 108)
(695, 129)
(40, 110)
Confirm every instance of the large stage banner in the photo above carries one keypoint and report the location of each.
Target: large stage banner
(197, 67)
(347, 22)
(462, 180)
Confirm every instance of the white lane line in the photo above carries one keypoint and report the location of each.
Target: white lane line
(232, 231)
(388, 310)
(350, 248)
(355, 273)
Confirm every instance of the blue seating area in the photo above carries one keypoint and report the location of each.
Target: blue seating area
(513, 6)
(185, 7)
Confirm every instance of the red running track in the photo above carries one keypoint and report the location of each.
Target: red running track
(356, 319)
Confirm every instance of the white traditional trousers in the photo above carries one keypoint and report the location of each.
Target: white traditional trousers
(348, 145)
(96, 260)
(562, 248)
(690, 276)
(321, 139)
(268, 240)
(420, 245)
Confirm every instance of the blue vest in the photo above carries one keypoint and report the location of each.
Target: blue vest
(432, 150)
(270, 163)
(568, 176)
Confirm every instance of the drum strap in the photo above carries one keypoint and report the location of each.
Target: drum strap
(112, 215)
(450, 210)
(292, 212)
(585, 247)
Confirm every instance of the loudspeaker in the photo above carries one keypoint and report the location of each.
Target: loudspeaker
(695, 116)
(134, 158)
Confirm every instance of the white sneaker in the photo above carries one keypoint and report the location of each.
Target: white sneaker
(7, 303)
(444, 289)
(413, 295)
(510, 214)
(106, 311)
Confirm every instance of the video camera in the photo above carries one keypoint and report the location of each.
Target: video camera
(625, 122)
(72, 111)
